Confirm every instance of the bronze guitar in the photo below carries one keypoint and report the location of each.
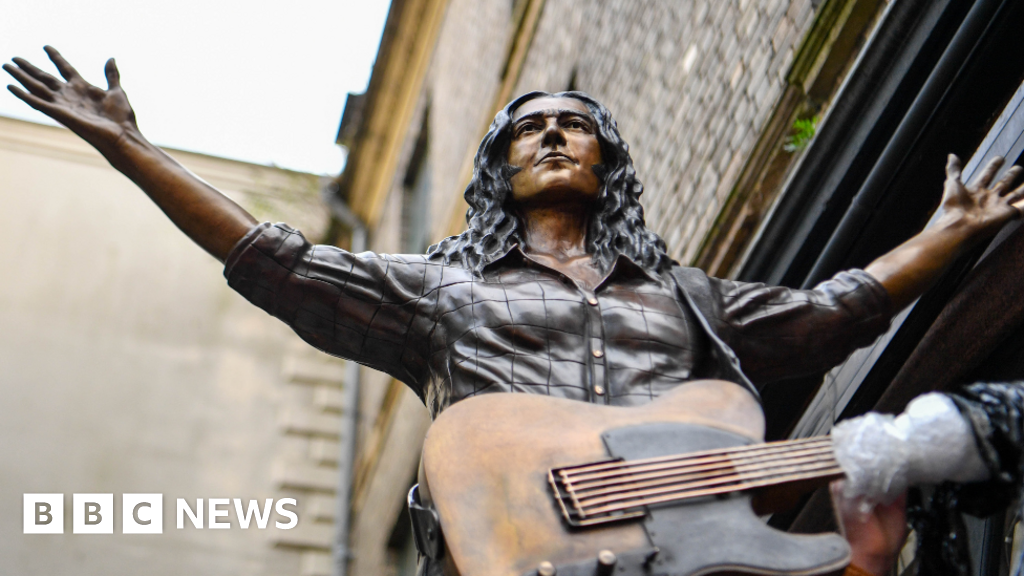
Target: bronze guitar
(533, 485)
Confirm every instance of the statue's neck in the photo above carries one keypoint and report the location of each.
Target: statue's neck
(556, 236)
(556, 231)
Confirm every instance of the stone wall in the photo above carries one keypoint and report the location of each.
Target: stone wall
(691, 83)
(129, 366)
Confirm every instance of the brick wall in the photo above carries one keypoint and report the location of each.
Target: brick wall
(691, 83)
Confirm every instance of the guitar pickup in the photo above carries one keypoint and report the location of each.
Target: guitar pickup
(565, 485)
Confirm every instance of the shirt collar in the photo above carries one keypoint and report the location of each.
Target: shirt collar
(514, 257)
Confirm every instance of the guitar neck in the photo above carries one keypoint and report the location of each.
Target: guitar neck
(616, 490)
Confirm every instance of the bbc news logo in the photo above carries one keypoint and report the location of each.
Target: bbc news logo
(144, 513)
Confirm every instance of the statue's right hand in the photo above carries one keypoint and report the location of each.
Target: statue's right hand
(101, 117)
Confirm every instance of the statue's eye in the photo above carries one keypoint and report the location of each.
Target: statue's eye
(527, 128)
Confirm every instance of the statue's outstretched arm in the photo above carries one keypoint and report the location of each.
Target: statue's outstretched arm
(105, 119)
(967, 215)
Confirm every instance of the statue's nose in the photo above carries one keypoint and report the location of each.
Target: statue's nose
(553, 135)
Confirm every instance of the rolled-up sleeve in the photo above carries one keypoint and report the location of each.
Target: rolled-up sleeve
(780, 332)
(375, 309)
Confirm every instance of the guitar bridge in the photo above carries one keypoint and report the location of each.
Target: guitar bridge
(565, 491)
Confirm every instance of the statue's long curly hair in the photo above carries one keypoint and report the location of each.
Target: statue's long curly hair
(616, 227)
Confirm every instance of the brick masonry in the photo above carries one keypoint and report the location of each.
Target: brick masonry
(691, 84)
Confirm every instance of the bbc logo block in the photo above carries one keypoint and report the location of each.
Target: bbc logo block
(142, 513)
(44, 514)
(94, 513)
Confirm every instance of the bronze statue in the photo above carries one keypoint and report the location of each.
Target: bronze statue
(556, 288)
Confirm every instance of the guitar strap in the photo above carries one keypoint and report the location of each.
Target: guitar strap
(426, 527)
(695, 291)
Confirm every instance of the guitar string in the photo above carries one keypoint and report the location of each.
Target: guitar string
(767, 453)
(718, 478)
(631, 469)
(827, 472)
(773, 457)
(748, 485)
(628, 474)
(727, 484)
(695, 480)
(611, 466)
(705, 472)
(710, 452)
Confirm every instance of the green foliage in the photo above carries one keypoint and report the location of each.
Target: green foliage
(803, 133)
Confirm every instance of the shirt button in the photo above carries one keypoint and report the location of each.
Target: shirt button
(598, 353)
(592, 301)
(598, 390)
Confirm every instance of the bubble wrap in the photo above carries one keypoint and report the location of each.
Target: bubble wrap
(929, 443)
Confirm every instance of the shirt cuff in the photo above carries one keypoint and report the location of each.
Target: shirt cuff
(880, 294)
(240, 246)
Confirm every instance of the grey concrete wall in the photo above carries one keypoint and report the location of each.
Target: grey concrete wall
(127, 365)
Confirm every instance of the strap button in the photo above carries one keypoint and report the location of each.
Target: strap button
(599, 390)
(598, 353)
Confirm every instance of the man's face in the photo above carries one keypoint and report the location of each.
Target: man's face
(555, 146)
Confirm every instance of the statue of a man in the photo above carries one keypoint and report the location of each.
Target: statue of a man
(556, 287)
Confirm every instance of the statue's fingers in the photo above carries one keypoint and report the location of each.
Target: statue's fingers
(1019, 205)
(37, 88)
(1015, 197)
(989, 172)
(42, 76)
(113, 76)
(953, 168)
(1006, 182)
(43, 106)
(66, 70)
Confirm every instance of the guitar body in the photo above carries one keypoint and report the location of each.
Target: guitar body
(485, 470)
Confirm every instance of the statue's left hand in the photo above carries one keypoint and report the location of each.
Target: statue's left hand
(967, 215)
(981, 207)
(105, 119)
(100, 117)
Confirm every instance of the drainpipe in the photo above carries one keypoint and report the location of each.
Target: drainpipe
(350, 397)
(950, 64)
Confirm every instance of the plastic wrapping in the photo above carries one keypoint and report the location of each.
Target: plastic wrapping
(930, 443)
(996, 414)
